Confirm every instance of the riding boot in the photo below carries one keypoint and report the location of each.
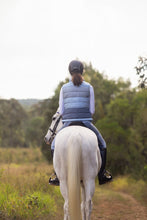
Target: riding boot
(104, 176)
(52, 153)
(55, 180)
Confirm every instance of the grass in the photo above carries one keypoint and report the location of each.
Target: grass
(24, 189)
(128, 185)
(20, 155)
(26, 194)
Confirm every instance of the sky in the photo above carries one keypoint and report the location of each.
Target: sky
(38, 39)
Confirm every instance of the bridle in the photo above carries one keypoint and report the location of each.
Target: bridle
(53, 131)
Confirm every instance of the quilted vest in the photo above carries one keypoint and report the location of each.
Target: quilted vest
(76, 100)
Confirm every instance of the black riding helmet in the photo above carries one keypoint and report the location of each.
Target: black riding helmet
(75, 66)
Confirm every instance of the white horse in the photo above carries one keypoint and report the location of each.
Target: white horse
(77, 162)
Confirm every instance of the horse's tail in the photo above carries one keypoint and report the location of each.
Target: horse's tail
(74, 167)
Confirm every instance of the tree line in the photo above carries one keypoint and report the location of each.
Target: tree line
(121, 117)
(20, 127)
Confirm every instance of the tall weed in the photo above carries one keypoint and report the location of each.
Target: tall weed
(21, 155)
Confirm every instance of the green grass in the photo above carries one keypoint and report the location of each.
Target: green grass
(26, 194)
(24, 189)
(34, 204)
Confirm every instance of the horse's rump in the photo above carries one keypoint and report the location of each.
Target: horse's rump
(90, 155)
(76, 158)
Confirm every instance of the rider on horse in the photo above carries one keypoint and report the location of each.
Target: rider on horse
(76, 105)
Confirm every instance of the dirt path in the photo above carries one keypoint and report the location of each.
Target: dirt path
(112, 205)
(117, 206)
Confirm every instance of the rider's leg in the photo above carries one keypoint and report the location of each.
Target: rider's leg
(101, 141)
(102, 175)
(55, 180)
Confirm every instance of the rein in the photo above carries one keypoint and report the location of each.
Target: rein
(55, 127)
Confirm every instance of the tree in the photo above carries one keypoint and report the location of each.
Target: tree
(141, 71)
(12, 116)
(104, 89)
(124, 129)
(34, 132)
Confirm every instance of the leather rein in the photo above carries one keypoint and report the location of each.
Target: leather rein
(55, 127)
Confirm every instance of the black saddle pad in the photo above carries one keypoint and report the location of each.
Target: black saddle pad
(78, 123)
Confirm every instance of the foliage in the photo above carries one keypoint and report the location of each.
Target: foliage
(124, 129)
(31, 205)
(34, 133)
(104, 89)
(28, 103)
(12, 116)
(20, 127)
(137, 188)
(27, 194)
(141, 71)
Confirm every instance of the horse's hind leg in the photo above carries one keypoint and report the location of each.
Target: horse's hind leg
(89, 192)
(83, 202)
(66, 216)
(63, 189)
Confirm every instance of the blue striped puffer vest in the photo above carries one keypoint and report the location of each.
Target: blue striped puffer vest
(76, 101)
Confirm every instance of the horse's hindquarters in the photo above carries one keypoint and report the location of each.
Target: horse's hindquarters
(75, 158)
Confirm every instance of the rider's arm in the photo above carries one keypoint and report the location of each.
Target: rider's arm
(92, 101)
(61, 106)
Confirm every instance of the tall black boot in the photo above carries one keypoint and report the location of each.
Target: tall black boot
(55, 180)
(103, 175)
(52, 153)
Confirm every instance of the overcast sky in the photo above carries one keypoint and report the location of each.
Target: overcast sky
(38, 39)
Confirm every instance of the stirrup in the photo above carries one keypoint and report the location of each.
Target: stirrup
(105, 177)
(54, 181)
